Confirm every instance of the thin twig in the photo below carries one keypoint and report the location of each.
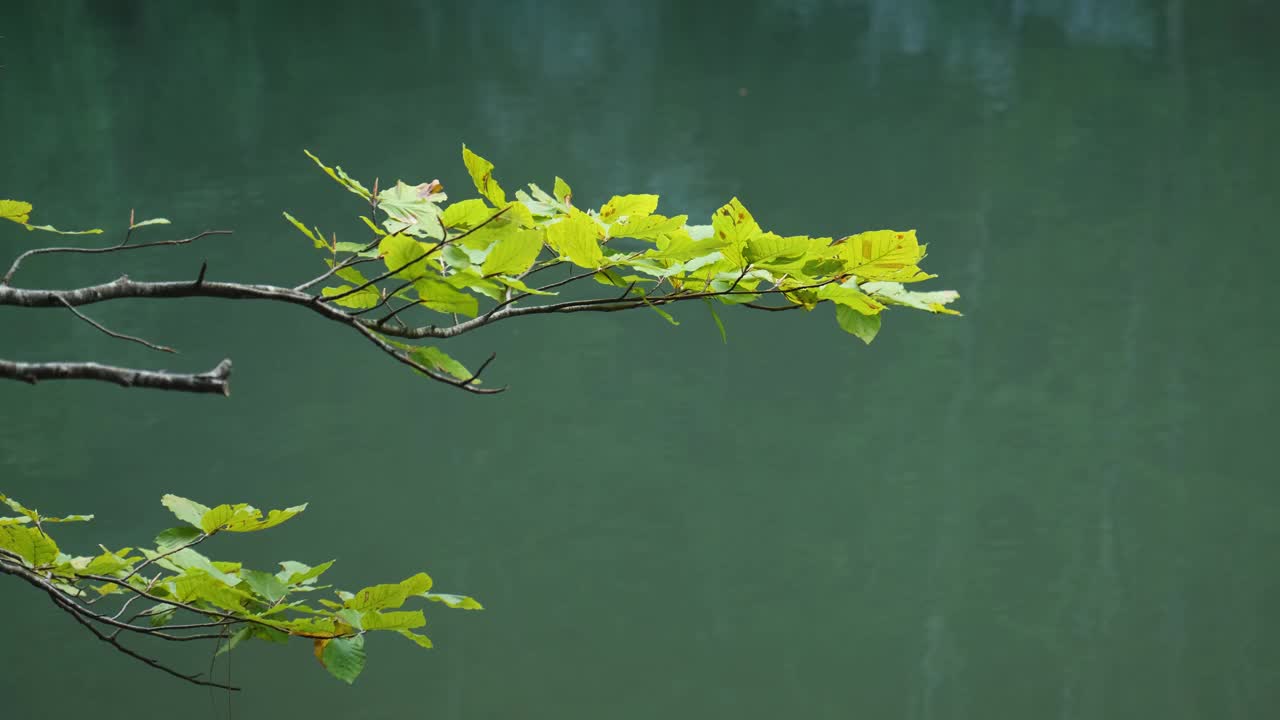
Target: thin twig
(8, 276)
(112, 333)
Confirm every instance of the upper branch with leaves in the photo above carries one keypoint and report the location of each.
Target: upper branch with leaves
(432, 271)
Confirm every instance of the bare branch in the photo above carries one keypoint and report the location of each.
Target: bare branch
(8, 276)
(213, 381)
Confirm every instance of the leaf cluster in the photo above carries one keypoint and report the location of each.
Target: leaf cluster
(238, 603)
(476, 258)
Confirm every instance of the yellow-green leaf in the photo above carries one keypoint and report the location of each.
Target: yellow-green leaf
(363, 299)
(850, 297)
(890, 255)
(405, 255)
(396, 620)
(647, 227)
(16, 211)
(467, 213)
(513, 253)
(436, 359)
(389, 596)
(628, 206)
(442, 297)
(562, 192)
(481, 172)
(30, 544)
(576, 238)
(341, 177)
(421, 640)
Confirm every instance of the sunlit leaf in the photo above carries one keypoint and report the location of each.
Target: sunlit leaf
(562, 191)
(647, 227)
(883, 255)
(318, 241)
(389, 596)
(15, 211)
(341, 177)
(29, 543)
(413, 209)
(575, 238)
(362, 299)
(481, 171)
(467, 213)
(513, 253)
(152, 221)
(628, 206)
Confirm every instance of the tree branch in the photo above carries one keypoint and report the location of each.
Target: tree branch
(214, 381)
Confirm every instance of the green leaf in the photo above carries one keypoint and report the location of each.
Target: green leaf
(864, 327)
(460, 602)
(29, 543)
(575, 238)
(514, 253)
(188, 511)
(197, 585)
(481, 171)
(562, 192)
(319, 242)
(770, 248)
(436, 359)
(849, 297)
(152, 221)
(442, 297)
(406, 256)
(363, 299)
(421, 641)
(413, 209)
(52, 229)
(351, 275)
(467, 213)
(15, 211)
(518, 285)
(295, 573)
(343, 179)
(265, 584)
(245, 518)
(724, 337)
(648, 227)
(390, 596)
(176, 537)
(344, 658)
(620, 206)
(396, 620)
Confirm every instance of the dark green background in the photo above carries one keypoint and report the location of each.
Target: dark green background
(1062, 505)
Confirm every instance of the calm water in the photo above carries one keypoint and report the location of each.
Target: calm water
(1063, 505)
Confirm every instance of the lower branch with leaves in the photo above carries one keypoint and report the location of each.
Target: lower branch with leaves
(184, 596)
